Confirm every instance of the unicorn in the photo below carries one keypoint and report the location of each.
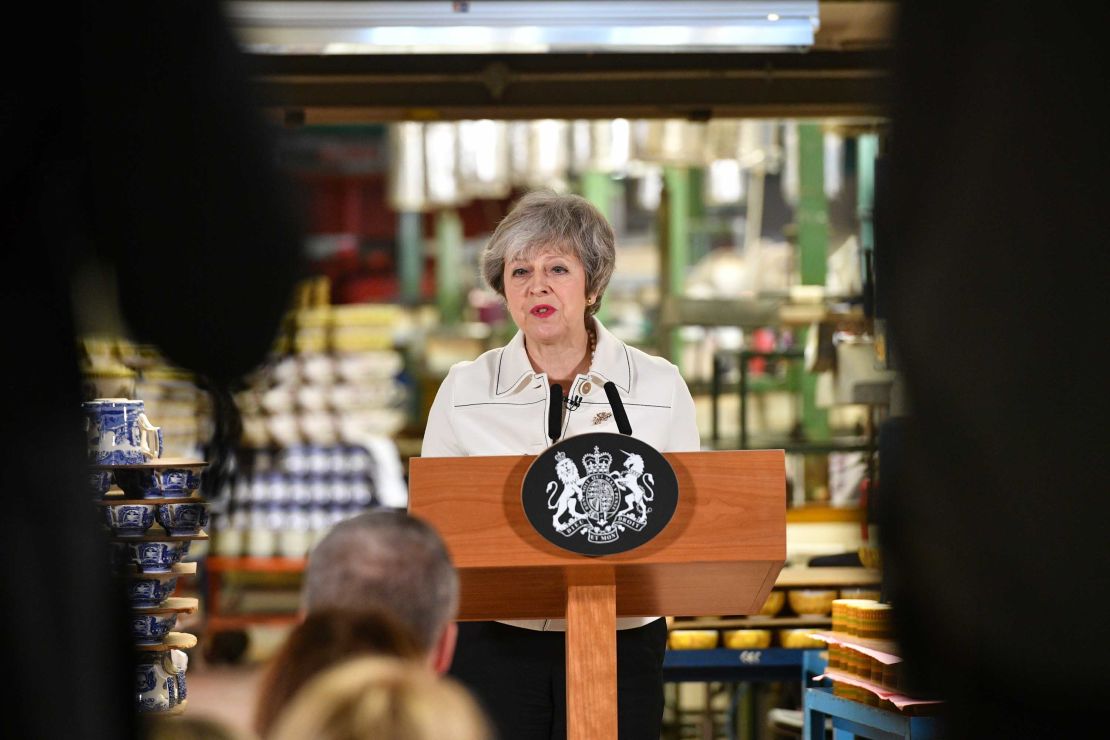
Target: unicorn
(629, 478)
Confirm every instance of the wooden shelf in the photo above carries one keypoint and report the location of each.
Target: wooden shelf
(158, 537)
(255, 565)
(832, 577)
(176, 604)
(823, 514)
(172, 641)
(754, 623)
(217, 566)
(178, 569)
(231, 622)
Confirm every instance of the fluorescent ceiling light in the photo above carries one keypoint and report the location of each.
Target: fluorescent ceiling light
(490, 26)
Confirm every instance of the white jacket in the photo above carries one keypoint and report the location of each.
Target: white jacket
(497, 405)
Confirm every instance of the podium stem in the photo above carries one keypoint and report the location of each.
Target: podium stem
(592, 662)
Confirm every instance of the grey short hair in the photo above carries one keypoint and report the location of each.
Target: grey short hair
(388, 560)
(567, 222)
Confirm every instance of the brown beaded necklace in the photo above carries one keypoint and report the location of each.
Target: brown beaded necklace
(591, 348)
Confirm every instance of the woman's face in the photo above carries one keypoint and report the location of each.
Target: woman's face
(546, 295)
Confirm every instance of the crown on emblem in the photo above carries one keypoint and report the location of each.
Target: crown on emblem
(597, 461)
(560, 456)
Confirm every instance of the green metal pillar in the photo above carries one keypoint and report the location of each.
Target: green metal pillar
(675, 238)
(697, 235)
(410, 269)
(599, 188)
(813, 211)
(867, 149)
(813, 250)
(410, 255)
(449, 239)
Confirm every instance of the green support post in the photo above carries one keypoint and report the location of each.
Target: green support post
(410, 268)
(813, 211)
(410, 255)
(675, 239)
(697, 236)
(598, 188)
(867, 149)
(813, 240)
(449, 239)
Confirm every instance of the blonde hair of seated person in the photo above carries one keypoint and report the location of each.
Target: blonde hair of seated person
(324, 639)
(190, 727)
(382, 697)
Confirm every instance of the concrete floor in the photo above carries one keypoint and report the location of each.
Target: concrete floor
(227, 690)
(224, 692)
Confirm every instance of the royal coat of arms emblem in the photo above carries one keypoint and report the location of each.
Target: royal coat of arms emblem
(602, 503)
(601, 495)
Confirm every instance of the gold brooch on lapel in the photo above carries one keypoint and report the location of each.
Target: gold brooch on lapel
(601, 416)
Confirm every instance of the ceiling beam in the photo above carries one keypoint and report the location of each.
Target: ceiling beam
(371, 88)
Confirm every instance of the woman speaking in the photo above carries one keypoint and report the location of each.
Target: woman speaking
(551, 259)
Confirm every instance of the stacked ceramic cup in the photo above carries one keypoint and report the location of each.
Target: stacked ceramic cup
(154, 512)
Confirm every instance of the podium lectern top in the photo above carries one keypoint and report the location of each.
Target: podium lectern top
(720, 553)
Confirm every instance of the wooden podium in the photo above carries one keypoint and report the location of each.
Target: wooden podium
(720, 554)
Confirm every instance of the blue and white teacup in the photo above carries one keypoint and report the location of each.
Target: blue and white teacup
(129, 519)
(157, 556)
(179, 482)
(158, 482)
(151, 629)
(155, 687)
(150, 591)
(185, 517)
(119, 433)
(151, 692)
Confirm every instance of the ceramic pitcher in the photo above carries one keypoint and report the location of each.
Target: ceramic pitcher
(119, 432)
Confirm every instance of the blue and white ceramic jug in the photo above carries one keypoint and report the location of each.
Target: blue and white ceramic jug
(119, 433)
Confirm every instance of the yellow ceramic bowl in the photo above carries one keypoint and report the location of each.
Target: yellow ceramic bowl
(860, 593)
(799, 639)
(692, 639)
(774, 603)
(747, 639)
(811, 602)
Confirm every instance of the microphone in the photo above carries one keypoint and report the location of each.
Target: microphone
(555, 412)
(618, 408)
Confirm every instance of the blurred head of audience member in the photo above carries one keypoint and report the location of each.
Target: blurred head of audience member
(190, 727)
(393, 562)
(320, 641)
(382, 697)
